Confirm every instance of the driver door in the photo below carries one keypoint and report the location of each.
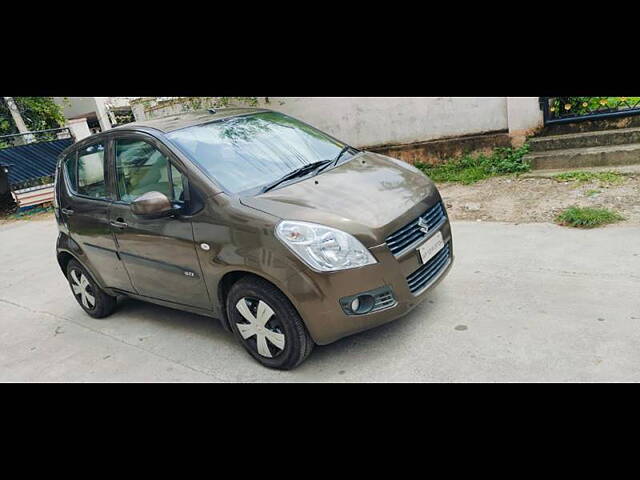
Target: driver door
(160, 254)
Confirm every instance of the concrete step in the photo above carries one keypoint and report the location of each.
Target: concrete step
(622, 136)
(575, 158)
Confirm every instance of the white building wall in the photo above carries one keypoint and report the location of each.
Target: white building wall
(379, 121)
(90, 107)
(525, 115)
(373, 121)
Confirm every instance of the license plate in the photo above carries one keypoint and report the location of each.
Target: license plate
(432, 246)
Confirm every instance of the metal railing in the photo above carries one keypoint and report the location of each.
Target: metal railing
(38, 136)
(575, 109)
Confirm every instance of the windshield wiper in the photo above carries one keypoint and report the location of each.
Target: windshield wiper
(298, 172)
(342, 152)
(334, 162)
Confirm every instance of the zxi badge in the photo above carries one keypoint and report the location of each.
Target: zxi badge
(423, 225)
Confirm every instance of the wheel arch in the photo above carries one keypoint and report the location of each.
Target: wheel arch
(231, 278)
(65, 256)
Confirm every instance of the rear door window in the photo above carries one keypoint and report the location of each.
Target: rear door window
(91, 182)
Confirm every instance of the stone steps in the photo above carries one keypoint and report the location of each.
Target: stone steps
(576, 158)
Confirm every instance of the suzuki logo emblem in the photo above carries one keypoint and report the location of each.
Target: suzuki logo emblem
(423, 225)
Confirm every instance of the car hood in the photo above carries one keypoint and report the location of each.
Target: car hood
(369, 196)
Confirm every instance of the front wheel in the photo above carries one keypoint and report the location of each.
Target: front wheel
(267, 324)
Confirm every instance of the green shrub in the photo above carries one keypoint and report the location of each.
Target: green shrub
(582, 105)
(587, 217)
(470, 169)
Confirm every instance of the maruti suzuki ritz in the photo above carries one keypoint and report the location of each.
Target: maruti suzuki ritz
(289, 236)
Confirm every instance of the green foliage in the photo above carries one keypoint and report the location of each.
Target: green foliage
(470, 169)
(581, 105)
(38, 113)
(612, 178)
(587, 217)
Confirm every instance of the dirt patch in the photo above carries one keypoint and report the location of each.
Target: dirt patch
(527, 200)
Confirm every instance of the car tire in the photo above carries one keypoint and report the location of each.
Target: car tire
(266, 323)
(88, 294)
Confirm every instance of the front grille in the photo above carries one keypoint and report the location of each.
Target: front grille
(427, 273)
(411, 234)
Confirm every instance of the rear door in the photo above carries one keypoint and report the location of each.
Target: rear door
(159, 255)
(84, 203)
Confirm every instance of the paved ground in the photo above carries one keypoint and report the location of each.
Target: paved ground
(532, 302)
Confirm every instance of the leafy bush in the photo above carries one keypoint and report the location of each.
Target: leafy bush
(580, 105)
(587, 217)
(38, 113)
(470, 169)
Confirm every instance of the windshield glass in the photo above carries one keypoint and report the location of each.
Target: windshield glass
(243, 154)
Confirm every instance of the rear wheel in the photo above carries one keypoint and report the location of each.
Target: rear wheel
(89, 295)
(267, 324)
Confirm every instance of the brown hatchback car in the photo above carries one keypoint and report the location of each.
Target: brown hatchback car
(289, 236)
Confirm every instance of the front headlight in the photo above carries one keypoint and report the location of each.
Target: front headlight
(323, 248)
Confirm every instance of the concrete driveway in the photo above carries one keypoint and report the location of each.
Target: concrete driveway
(530, 302)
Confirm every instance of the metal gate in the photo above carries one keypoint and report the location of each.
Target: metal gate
(575, 109)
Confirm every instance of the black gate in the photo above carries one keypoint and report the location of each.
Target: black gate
(575, 109)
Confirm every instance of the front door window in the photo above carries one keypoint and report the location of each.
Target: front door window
(142, 168)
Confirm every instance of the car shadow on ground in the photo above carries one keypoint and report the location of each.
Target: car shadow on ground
(169, 317)
(325, 363)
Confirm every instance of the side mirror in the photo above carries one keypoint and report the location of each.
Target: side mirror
(152, 205)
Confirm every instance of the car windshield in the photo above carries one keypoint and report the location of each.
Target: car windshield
(244, 154)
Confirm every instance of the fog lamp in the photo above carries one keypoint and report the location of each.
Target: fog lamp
(355, 305)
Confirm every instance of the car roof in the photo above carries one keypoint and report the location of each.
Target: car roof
(169, 123)
(174, 122)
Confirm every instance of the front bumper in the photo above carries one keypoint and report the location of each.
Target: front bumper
(319, 302)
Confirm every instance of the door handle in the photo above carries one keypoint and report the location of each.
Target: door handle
(119, 224)
(67, 211)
